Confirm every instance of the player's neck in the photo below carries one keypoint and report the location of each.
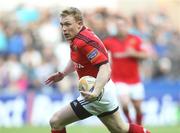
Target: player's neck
(79, 30)
(122, 36)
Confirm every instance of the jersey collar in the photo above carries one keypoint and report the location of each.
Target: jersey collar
(83, 28)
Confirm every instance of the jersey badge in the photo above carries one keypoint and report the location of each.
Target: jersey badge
(74, 48)
(132, 41)
(92, 54)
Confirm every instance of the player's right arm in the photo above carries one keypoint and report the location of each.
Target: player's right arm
(69, 68)
(58, 76)
(102, 78)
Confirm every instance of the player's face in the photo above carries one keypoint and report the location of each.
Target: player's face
(122, 27)
(70, 27)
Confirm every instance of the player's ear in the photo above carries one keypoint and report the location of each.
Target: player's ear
(80, 23)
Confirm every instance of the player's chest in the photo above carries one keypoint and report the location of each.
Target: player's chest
(119, 46)
(77, 56)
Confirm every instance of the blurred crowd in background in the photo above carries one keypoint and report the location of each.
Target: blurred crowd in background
(32, 46)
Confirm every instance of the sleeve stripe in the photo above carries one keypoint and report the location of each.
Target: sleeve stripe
(101, 63)
(92, 43)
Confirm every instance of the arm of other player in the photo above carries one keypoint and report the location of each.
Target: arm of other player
(131, 52)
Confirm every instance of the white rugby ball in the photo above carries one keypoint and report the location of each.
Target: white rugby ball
(86, 83)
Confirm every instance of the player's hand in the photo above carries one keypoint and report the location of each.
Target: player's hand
(118, 55)
(89, 95)
(130, 52)
(54, 78)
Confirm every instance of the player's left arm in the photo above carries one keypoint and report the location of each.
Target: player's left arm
(131, 52)
(102, 78)
(98, 57)
(136, 50)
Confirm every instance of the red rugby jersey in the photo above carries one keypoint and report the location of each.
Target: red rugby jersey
(87, 53)
(124, 69)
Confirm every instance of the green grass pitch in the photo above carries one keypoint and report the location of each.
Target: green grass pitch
(83, 129)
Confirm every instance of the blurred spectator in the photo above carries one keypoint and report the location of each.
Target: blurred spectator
(48, 31)
(16, 78)
(31, 57)
(26, 14)
(61, 50)
(3, 39)
(15, 39)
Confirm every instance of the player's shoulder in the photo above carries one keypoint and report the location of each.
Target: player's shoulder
(110, 38)
(78, 42)
(84, 37)
(87, 35)
(135, 38)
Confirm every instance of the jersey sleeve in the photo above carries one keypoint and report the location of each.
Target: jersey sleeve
(95, 53)
(136, 43)
(107, 43)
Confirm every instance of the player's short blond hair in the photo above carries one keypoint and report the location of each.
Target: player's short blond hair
(75, 12)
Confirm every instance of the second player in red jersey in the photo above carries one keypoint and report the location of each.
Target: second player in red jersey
(126, 51)
(125, 68)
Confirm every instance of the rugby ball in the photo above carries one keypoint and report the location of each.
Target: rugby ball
(86, 83)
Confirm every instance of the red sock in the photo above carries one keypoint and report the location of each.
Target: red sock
(59, 131)
(139, 118)
(134, 128)
(126, 112)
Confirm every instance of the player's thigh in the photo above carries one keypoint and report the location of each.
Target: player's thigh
(124, 99)
(114, 123)
(137, 92)
(137, 95)
(123, 93)
(64, 116)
